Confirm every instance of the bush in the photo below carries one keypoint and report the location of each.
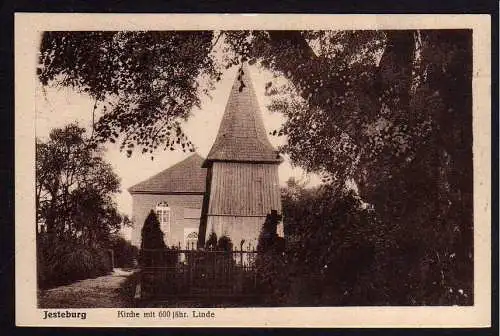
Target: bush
(151, 233)
(225, 244)
(65, 262)
(336, 252)
(125, 253)
(271, 263)
(211, 243)
(151, 239)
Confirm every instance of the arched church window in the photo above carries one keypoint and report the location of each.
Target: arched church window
(164, 217)
(191, 240)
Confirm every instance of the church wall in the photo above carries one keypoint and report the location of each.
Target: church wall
(185, 212)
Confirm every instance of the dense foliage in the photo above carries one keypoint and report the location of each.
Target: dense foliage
(224, 244)
(152, 237)
(74, 188)
(76, 214)
(63, 263)
(388, 111)
(152, 242)
(339, 252)
(271, 264)
(143, 83)
(125, 254)
(338, 247)
(211, 243)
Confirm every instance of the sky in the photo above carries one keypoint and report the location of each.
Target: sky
(56, 107)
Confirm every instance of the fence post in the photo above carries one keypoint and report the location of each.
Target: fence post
(190, 258)
(254, 268)
(241, 252)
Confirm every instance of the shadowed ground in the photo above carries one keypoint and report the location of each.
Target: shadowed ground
(109, 291)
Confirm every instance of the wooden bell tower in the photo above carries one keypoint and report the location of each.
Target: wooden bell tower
(242, 177)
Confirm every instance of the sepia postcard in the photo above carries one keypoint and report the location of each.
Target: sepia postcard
(264, 170)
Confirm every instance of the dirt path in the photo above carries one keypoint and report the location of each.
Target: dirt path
(102, 292)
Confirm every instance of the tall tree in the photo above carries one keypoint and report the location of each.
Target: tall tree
(151, 234)
(74, 187)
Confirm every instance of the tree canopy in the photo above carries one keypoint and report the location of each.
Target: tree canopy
(75, 188)
(143, 83)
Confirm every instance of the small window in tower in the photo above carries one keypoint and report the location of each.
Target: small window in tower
(163, 214)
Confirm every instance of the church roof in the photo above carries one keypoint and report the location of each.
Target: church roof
(186, 176)
(242, 135)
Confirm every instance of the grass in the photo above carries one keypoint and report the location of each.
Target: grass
(127, 289)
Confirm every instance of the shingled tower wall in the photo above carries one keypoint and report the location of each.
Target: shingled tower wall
(242, 178)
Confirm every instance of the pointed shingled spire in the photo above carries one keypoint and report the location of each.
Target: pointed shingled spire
(242, 135)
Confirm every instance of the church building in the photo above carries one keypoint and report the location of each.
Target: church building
(229, 193)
